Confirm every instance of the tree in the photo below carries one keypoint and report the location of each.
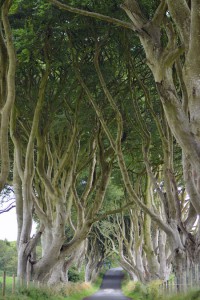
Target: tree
(86, 111)
(8, 254)
(63, 159)
(169, 34)
(98, 250)
(7, 89)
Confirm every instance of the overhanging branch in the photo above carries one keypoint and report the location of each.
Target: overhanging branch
(112, 212)
(95, 15)
(8, 208)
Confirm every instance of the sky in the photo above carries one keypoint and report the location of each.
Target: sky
(8, 220)
(8, 226)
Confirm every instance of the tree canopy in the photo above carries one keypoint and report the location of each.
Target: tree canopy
(100, 133)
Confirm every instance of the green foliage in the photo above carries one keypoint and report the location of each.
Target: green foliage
(81, 291)
(38, 26)
(70, 291)
(14, 297)
(74, 275)
(39, 293)
(193, 295)
(141, 291)
(9, 281)
(153, 289)
(152, 292)
(8, 257)
(138, 290)
(35, 294)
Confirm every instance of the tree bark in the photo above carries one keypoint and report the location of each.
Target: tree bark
(7, 89)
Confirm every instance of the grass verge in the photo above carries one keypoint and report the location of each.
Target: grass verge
(85, 292)
(137, 291)
(69, 291)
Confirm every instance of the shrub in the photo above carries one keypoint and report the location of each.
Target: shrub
(71, 290)
(73, 275)
(136, 290)
(152, 292)
(153, 289)
(39, 293)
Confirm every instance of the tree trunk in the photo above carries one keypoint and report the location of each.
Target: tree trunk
(59, 273)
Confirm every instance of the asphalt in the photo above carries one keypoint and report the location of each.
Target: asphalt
(111, 287)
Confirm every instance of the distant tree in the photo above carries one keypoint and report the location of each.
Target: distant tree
(8, 257)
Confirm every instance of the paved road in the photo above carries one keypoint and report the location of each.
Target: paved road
(110, 287)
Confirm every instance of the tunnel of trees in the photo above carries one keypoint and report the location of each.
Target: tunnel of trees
(100, 134)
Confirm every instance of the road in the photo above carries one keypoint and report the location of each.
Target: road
(110, 287)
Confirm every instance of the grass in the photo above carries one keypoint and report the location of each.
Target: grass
(69, 291)
(33, 293)
(192, 295)
(151, 291)
(79, 295)
(9, 281)
(78, 291)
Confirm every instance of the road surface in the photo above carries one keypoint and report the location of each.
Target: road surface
(110, 287)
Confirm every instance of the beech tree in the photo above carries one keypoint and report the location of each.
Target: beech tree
(86, 109)
(98, 250)
(163, 51)
(7, 88)
(59, 163)
(169, 34)
(62, 162)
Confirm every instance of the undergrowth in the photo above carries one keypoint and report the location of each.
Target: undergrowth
(152, 292)
(69, 291)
